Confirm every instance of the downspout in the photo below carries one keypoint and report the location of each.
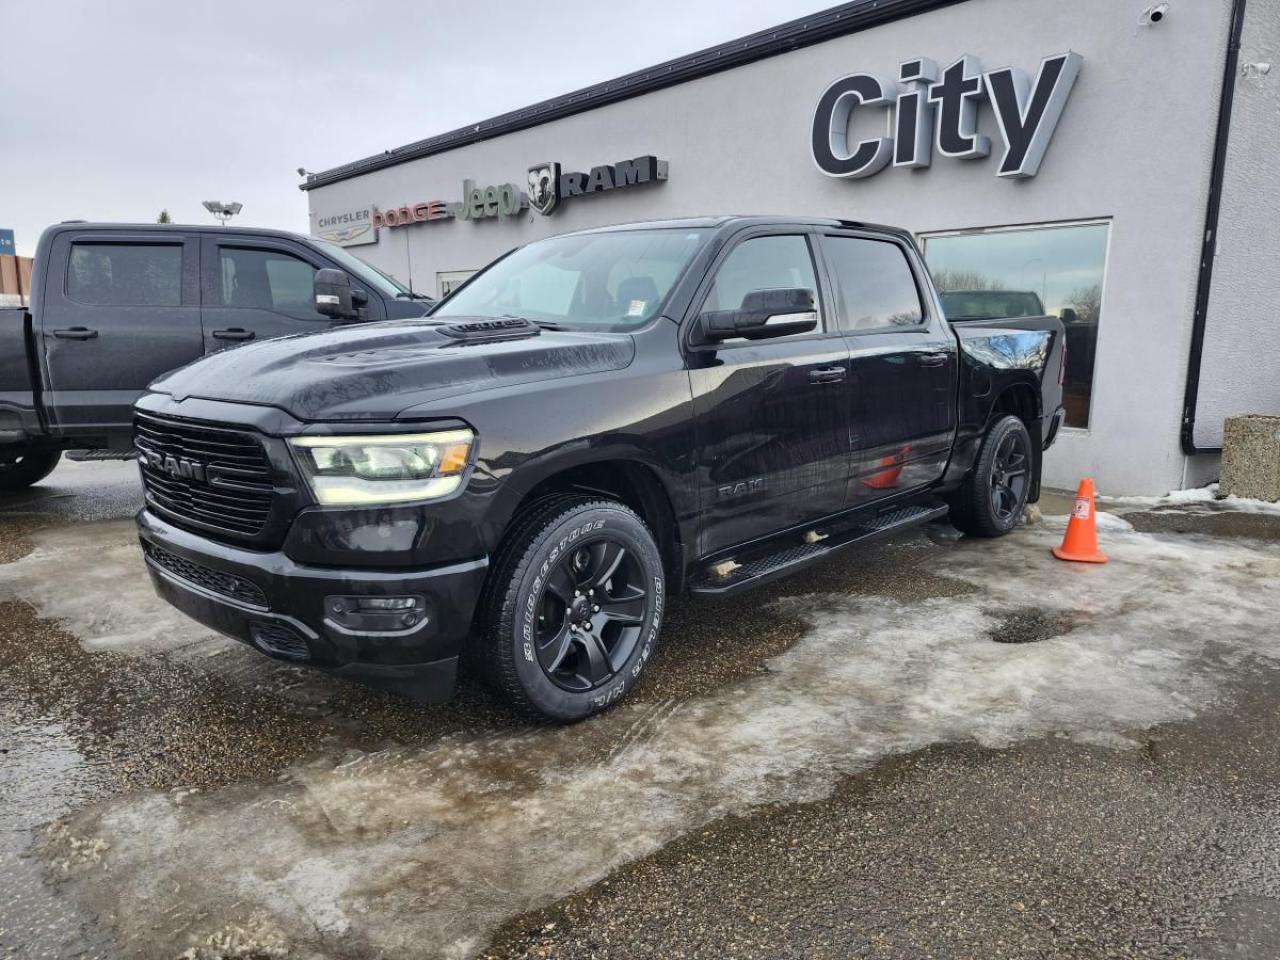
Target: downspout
(1209, 248)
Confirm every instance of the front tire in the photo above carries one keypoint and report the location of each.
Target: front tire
(990, 501)
(572, 608)
(20, 469)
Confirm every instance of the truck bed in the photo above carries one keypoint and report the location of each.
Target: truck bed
(18, 414)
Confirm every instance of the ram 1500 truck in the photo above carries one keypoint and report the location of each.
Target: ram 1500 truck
(113, 306)
(590, 425)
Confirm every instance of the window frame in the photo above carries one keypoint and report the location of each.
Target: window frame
(809, 235)
(930, 310)
(104, 241)
(923, 238)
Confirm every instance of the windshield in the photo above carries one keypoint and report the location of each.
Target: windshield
(598, 281)
(387, 285)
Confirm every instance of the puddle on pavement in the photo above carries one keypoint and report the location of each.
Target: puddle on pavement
(1029, 625)
(366, 849)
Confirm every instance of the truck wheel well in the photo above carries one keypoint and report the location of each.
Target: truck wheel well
(1020, 400)
(633, 484)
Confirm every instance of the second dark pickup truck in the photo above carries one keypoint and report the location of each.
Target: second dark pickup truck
(113, 306)
(593, 423)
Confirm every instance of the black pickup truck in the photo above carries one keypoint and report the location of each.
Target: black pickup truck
(591, 424)
(113, 306)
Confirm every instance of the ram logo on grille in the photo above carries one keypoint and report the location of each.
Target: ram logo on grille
(179, 467)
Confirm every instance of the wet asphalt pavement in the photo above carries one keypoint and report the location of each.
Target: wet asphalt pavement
(934, 748)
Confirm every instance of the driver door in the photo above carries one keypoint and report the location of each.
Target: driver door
(772, 416)
(255, 290)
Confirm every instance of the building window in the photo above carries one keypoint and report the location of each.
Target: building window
(1029, 271)
(450, 280)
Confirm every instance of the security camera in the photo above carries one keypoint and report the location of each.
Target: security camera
(1153, 14)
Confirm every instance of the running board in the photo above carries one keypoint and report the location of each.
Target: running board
(753, 573)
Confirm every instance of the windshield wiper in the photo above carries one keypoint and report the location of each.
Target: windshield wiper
(411, 295)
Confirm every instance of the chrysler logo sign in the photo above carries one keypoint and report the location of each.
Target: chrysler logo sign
(938, 109)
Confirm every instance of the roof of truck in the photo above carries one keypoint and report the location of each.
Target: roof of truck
(737, 221)
(176, 228)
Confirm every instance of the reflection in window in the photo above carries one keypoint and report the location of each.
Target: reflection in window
(994, 274)
(875, 286)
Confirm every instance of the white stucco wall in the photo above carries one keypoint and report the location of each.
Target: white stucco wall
(1134, 146)
(1240, 366)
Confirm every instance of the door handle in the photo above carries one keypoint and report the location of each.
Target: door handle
(827, 375)
(932, 359)
(75, 333)
(234, 333)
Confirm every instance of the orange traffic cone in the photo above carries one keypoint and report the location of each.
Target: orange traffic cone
(1081, 541)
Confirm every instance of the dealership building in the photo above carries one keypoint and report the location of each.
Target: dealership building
(1115, 162)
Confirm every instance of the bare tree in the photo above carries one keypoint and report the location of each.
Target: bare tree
(948, 281)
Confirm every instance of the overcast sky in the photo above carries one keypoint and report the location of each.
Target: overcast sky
(113, 111)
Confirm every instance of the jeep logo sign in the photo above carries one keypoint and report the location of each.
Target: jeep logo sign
(939, 108)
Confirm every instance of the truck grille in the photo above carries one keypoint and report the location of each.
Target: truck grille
(227, 584)
(214, 478)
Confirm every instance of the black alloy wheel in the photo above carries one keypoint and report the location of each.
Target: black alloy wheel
(991, 500)
(572, 607)
(590, 614)
(1010, 476)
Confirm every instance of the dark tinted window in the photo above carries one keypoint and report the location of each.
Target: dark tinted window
(875, 284)
(125, 274)
(762, 263)
(268, 280)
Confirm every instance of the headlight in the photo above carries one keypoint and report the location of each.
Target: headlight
(384, 469)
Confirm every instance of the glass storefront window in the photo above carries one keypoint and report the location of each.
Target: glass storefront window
(1027, 271)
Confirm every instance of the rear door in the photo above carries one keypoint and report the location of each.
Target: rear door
(772, 415)
(258, 288)
(121, 309)
(903, 361)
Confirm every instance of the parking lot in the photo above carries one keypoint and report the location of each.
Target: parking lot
(935, 747)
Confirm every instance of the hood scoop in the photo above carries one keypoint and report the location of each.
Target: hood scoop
(487, 331)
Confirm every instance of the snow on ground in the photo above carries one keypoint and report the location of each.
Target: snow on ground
(1197, 498)
(422, 852)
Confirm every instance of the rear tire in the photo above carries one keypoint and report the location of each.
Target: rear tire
(571, 610)
(990, 501)
(20, 469)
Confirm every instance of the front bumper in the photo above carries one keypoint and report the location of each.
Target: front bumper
(279, 607)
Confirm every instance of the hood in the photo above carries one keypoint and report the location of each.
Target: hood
(374, 371)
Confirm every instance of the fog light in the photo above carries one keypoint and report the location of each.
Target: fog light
(386, 603)
(377, 614)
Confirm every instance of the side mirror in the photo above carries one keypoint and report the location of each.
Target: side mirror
(1069, 316)
(779, 312)
(335, 296)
